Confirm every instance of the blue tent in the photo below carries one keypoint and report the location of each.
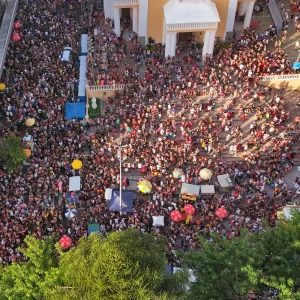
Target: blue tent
(296, 65)
(75, 110)
(127, 201)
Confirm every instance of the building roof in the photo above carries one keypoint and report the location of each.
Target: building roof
(190, 11)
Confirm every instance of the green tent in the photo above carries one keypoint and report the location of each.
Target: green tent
(94, 110)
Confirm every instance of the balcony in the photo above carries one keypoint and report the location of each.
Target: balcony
(126, 3)
(103, 88)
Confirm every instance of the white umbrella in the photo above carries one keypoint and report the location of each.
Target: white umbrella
(71, 213)
(206, 174)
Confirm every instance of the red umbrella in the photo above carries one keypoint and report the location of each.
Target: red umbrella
(175, 216)
(65, 242)
(17, 25)
(222, 213)
(16, 37)
(189, 209)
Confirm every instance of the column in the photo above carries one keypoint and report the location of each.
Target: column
(108, 9)
(164, 32)
(212, 42)
(231, 15)
(243, 8)
(143, 21)
(135, 19)
(206, 44)
(168, 44)
(117, 21)
(173, 44)
(248, 14)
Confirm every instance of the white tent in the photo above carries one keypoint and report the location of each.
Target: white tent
(158, 221)
(190, 191)
(192, 277)
(74, 183)
(108, 194)
(224, 180)
(287, 210)
(207, 189)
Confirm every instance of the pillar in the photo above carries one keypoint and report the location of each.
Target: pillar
(212, 42)
(248, 16)
(173, 44)
(206, 44)
(143, 21)
(117, 21)
(231, 16)
(135, 19)
(108, 9)
(243, 8)
(168, 44)
(164, 32)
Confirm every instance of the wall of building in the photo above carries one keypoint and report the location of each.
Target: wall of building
(222, 6)
(156, 19)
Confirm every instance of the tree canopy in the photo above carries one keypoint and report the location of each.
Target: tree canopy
(124, 265)
(253, 261)
(11, 152)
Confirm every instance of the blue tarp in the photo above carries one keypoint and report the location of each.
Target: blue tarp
(127, 201)
(75, 110)
(296, 65)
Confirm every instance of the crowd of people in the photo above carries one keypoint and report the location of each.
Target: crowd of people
(178, 113)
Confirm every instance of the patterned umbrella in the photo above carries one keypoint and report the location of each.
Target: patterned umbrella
(145, 186)
(72, 197)
(222, 213)
(70, 213)
(65, 242)
(178, 173)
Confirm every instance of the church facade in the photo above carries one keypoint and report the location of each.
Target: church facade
(169, 21)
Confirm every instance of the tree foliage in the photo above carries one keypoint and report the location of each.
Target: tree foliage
(11, 152)
(124, 265)
(254, 261)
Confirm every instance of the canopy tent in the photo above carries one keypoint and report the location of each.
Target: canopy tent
(289, 82)
(126, 203)
(84, 44)
(93, 228)
(74, 183)
(158, 221)
(75, 110)
(108, 194)
(190, 191)
(207, 189)
(224, 180)
(288, 209)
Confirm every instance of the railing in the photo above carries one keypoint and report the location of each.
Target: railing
(192, 26)
(103, 88)
(126, 2)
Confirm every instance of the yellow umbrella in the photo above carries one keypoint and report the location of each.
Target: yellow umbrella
(30, 122)
(206, 174)
(77, 164)
(145, 186)
(2, 86)
(27, 152)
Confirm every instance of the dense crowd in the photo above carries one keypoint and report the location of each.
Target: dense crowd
(177, 113)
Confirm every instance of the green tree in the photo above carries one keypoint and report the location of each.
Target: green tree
(11, 152)
(30, 280)
(228, 269)
(124, 265)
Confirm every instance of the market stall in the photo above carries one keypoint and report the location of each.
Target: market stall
(225, 182)
(190, 191)
(207, 191)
